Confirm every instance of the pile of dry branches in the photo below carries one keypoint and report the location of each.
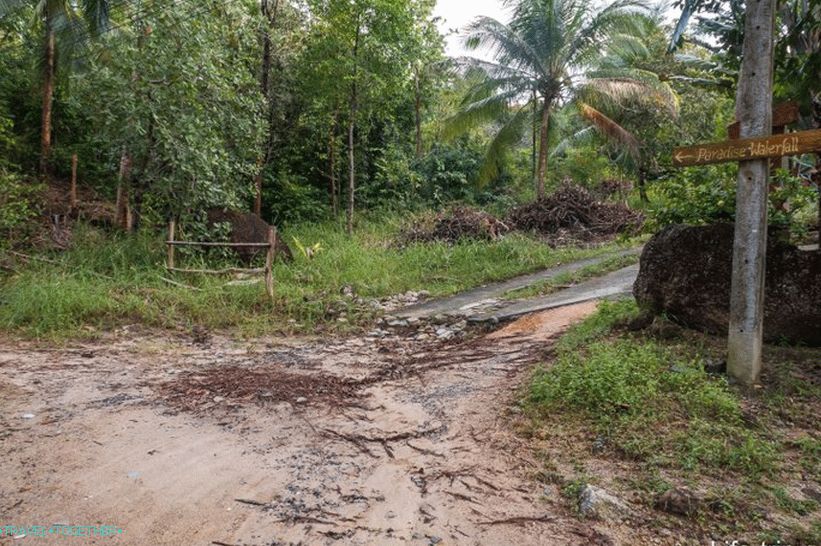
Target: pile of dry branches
(572, 212)
(459, 223)
(236, 384)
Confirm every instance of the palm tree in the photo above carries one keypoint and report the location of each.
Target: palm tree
(65, 24)
(542, 59)
(636, 120)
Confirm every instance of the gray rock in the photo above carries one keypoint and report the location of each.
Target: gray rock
(301, 400)
(599, 444)
(444, 333)
(595, 502)
(715, 366)
(459, 326)
(679, 500)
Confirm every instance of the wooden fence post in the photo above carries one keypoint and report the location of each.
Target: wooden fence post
(269, 261)
(72, 195)
(171, 228)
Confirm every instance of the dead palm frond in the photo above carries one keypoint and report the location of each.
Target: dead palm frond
(611, 130)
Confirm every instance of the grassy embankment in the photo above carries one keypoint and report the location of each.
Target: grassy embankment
(638, 414)
(106, 281)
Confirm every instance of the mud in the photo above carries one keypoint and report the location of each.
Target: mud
(389, 441)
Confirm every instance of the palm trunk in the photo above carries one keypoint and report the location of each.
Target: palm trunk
(542, 170)
(534, 132)
(351, 127)
(48, 98)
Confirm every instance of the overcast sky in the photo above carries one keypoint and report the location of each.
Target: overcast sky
(458, 13)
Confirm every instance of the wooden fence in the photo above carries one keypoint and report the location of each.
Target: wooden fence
(270, 256)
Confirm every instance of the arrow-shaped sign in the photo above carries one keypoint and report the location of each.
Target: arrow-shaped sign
(681, 156)
(803, 142)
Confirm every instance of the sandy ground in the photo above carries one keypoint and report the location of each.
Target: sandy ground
(344, 441)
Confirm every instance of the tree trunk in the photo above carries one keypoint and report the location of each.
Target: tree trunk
(265, 74)
(142, 185)
(643, 185)
(418, 112)
(351, 128)
(48, 98)
(270, 15)
(258, 188)
(122, 208)
(542, 170)
(332, 164)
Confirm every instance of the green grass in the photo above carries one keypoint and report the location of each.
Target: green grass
(552, 285)
(106, 281)
(639, 412)
(653, 403)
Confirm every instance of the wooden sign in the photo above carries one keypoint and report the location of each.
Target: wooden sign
(784, 114)
(802, 142)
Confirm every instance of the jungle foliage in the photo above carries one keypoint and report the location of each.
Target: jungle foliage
(308, 109)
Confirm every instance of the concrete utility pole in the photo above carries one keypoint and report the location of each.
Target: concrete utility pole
(754, 113)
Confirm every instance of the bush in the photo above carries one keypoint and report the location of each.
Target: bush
(449, 172)
(705, 195)
(16, 207)
(696, 196)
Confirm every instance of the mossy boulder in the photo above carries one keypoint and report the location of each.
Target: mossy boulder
(685, 274)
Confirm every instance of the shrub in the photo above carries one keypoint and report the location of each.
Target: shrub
(16, 207)
(706, 195)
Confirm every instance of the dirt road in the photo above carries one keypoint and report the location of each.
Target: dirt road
(382, 440)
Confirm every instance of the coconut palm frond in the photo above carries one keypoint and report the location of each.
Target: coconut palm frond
(610, 129)
(485, 90)
(481, 111)
(582, 136)
(510, 134)
(621, 17)
(7, 7)
(97, 14)
(634, 86)
(626, 50)
(705, 82)
(494, 70)
(503, 43)
(693, 61)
